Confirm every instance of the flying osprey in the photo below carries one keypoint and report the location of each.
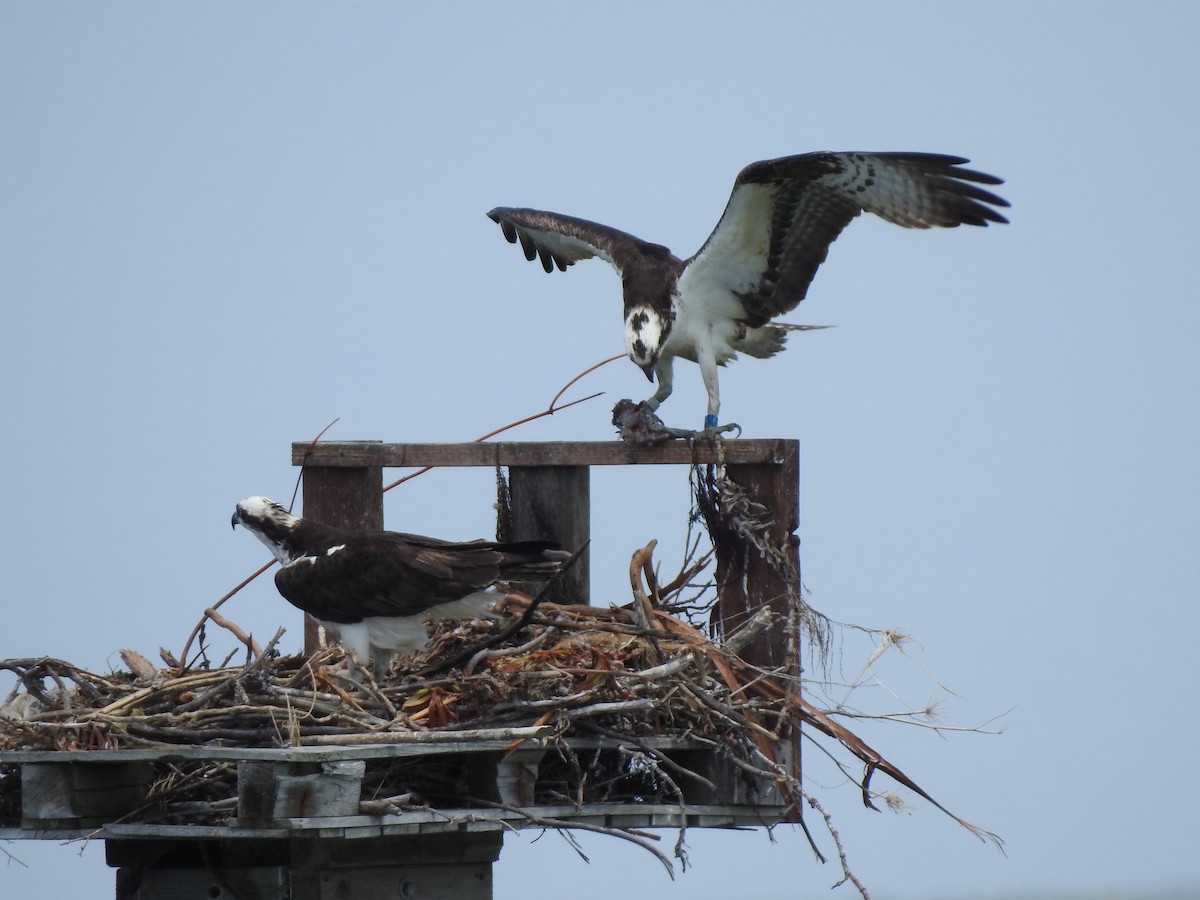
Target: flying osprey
(372, 589)
(760, 259)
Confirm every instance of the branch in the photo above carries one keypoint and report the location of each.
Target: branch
(209, 613)
(548, 411)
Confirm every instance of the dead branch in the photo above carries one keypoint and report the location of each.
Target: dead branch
(550, 410)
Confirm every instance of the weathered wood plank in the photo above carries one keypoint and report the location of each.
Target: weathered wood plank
(269, 791)
(554, 503)
(387, 745)
(343, 497)
(365, 827)
(351, 454)
(743, 593)
(309, 868)
(516, 776)
(81, 790)
(189, 884)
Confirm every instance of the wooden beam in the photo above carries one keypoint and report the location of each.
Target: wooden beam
(344, 497)
(554, 503)
(352, 454)
(455, 865)
(764, 582)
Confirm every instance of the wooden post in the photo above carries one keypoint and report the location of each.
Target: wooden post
(765, 582)
(455, 865)
(345, 496)
(554, 503)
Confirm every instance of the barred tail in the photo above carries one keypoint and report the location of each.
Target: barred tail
(536, 560)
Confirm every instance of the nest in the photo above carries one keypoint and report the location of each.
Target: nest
(568, 672)
(570, 667)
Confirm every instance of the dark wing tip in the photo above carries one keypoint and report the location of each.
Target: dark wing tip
(975, 206)
(508, 218)
(500, 217)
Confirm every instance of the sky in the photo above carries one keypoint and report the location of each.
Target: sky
(225, 225)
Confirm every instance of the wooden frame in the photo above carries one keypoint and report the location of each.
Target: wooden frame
(549, 485)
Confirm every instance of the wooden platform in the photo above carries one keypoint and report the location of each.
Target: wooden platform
(360, 454)
(479, 785)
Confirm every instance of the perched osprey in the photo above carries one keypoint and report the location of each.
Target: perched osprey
(373, 589)
(758, 262)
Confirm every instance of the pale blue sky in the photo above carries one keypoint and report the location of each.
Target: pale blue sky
(224, 225)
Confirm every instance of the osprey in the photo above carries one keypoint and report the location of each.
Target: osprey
(760, 259)
(372, 589)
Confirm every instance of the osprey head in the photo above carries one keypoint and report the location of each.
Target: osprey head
(646, 331)
(268, 521)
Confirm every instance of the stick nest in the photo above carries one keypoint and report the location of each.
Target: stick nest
(568, 665)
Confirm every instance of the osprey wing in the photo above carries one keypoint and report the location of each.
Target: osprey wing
(784, 213)
(561, 241)
(394, 574)
(381, 575)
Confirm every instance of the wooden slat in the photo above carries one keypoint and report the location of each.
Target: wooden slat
(269, 791)
(422, 744)
(345, 498)
(550, 453)
(742, 594)
(448, 820)
(554, 503)
(81, 790)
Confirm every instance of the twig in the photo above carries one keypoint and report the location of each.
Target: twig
(512, 629)
(488, 654)
(548, 411)
(312, 445)
(847, 873)
(233, 679)
(385, 805)
(432, 737)
(199, 625)
(635, 836)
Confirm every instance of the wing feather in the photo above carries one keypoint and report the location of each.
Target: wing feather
(344, 578)
(560, 241)
(783, 214)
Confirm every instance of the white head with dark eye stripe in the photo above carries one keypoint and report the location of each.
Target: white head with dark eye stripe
(646, 331)
(269, 522)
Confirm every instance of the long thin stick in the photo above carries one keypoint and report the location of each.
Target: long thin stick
(548, 411)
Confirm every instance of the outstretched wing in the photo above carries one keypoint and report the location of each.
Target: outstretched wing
(562, 241)
(784, 213)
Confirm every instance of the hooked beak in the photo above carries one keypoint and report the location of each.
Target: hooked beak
(649, 370)
(236, 520)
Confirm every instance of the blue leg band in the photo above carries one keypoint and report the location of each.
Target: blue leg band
(710, 421)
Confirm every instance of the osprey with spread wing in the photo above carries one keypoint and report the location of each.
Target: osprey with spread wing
(372, 590)
(760, 259)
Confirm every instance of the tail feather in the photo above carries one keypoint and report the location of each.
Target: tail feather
(767, 340)
(532, 559)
